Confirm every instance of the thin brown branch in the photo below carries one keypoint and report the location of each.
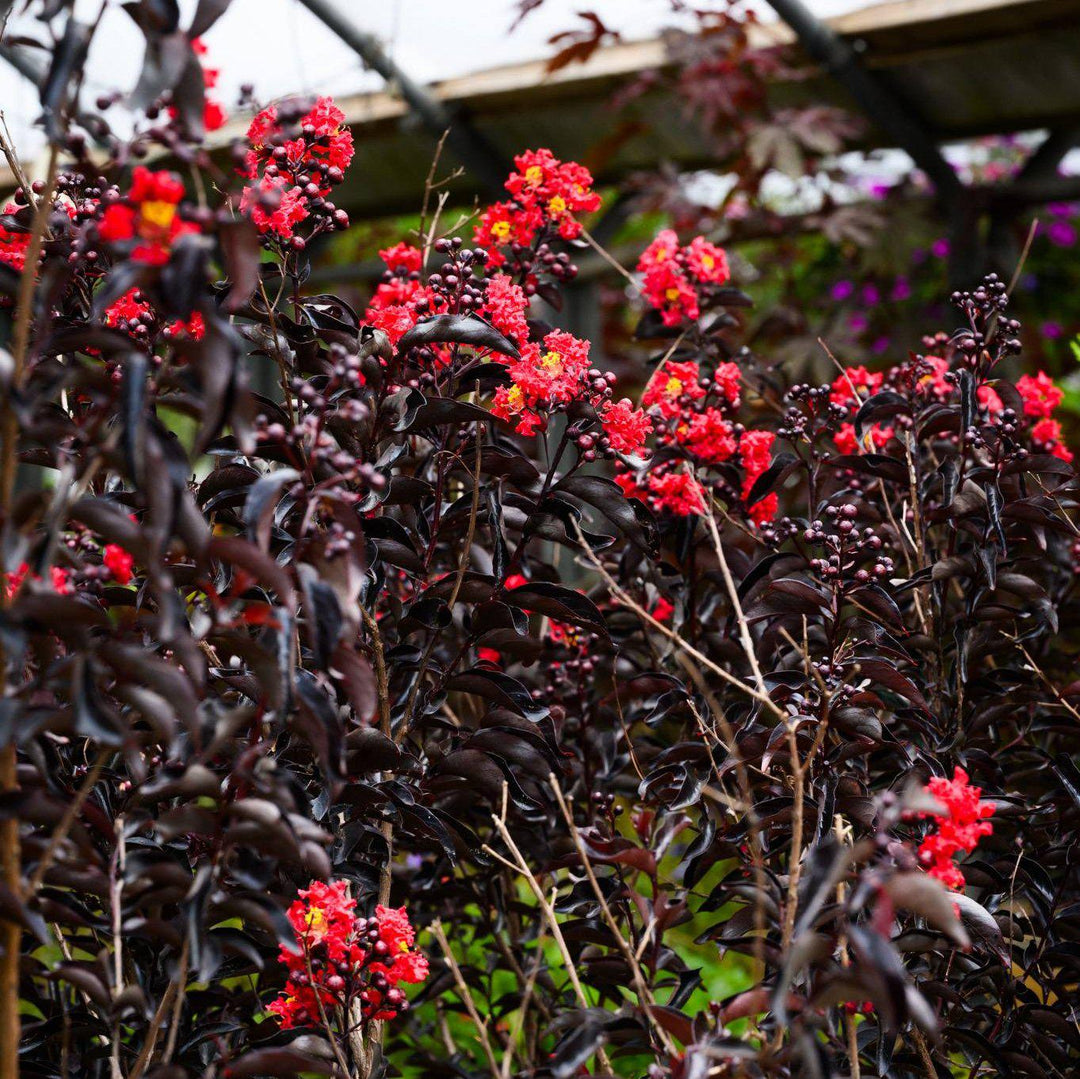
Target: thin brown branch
(627, 601)
(467, 999)
(521, 866)
(645, 997)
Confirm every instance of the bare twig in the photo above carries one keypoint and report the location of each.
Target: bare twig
(843, 835)
(116, 903)
(627, 601)
(745, 638)
(467, 1000)
(523, 1008)
(644, 994)
(521, 866)
(168, 998)
(609, 258)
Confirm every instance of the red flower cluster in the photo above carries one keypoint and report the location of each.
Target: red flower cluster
(849, 391)
(674, 276)
(118, 562)
(59, 577)
(149, 217)
(133, 314)
(342, 958)
(292, 177)
(13, 245)
(214, 115)
(505, 306)
(959, 829)
(695, 426)
(626, 427)
(1040, 398)
(554, 374)
(401, 298)
(755, 449)
(1039, 394)
(546, 193)
(551, 376)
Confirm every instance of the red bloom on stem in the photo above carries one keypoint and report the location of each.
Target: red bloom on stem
(505, 305)
(1039, 394)
(710, 437)
(13, 245)
(551, 374)
(341, 957)
(726, 380)
(678, 492)
(194, 327)
(295, 171)
(504, 223)
(934, 381)
(149, 216)
(118, 562)
(544, 192)
(558, 189)
(59, 578)
(663, 249)
(707, 262)
(395, 321)
(625, 426)
(669, 383)
(274, 206)
(214, 114)
(959, 828)
(876, 437)
(675, 278)
(755, 450)
(1046, 435)
(128, 311)
(854, 385)
(667, 289)
(402, 256)
(323, 914)
(324, 138)
(988, 397)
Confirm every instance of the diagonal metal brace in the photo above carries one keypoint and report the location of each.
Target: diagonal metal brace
(888, 111)
(471, 148)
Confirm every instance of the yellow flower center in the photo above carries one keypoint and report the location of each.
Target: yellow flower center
(557, 205)
(672, 294)
(534, 175)
(500, 230)
(708, 261)
(515, 398)
(674, 387)
(315, 919)
(158, 214)
(552, 362)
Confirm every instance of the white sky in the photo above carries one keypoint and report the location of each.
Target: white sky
(280, 47)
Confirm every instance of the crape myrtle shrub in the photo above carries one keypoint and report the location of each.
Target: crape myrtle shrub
(458, 712)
